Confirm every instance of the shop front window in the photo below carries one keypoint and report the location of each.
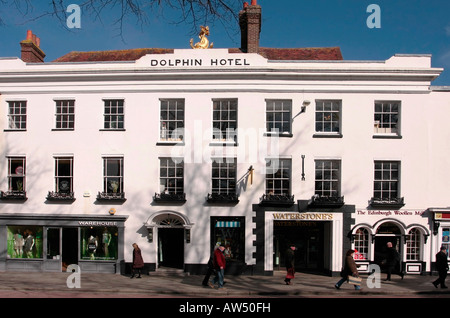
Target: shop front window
(229, 232)
(413, 244)
(446, 238)
(99, 243)
(361, 244)
(24, 242)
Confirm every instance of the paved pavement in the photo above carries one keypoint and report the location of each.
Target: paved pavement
(175, 285)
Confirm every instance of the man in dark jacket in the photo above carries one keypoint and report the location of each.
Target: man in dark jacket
(392, 261)
(442, 267)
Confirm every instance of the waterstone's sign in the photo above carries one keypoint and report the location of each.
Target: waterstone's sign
(217, 58)
(289, 216)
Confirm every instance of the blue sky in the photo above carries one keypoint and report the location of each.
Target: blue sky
(407, 27)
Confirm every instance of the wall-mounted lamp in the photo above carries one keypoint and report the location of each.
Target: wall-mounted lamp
(150, 235)
(188, 235)
(305, 104)
(303, 167)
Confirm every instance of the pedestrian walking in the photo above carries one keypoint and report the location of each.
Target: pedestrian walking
(392, 261)
(290, 264)
(138, 262)
(219, 265)
(210, 270)
(442, 267)
(350, 269)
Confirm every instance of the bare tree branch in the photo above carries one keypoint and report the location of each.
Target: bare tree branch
(191, 12)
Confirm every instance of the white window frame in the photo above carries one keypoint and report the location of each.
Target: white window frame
(113, 120)
(58, 176)
(17, 121)
(171, 168)
(329, 175)
(172, 129)
(278, 115)
(328, 113)
(221, 126)
(384, 118)
(65, 119)
(224, 172)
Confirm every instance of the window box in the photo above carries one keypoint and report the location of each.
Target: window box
(170, 197)
(107, 196)
(222, 198)
(277, 200)
(326, 201)
(61, 196)
(391, 203)
(13, 195)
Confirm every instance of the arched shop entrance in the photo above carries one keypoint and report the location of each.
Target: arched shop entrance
(385, 233)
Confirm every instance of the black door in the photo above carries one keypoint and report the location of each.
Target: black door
(171, 245)
(69, 246)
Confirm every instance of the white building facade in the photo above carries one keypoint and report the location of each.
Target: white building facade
(183, 150)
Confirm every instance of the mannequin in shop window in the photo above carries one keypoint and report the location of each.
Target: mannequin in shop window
(29, 244)
(92, 246)
(18, 244)
(106, 240)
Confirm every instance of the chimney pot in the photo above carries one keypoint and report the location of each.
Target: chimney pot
(254, 2)
(245, 5)
(29, 35)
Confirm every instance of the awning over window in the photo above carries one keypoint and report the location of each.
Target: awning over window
(228, 224)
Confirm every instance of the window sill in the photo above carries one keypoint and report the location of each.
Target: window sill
(63, 129)
(113, 129)
(223, 144)
(14, 130)
(170, 143)
(386, 136)
(283, 134)
(328, 135)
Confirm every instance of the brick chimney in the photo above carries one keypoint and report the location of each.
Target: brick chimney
(30, 48)
(250, 23)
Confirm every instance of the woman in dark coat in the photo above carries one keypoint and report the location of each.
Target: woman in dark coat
(289, 262)
(350, 268)
(138, 262)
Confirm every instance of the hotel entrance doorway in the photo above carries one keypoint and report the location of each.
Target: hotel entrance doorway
(308, 238)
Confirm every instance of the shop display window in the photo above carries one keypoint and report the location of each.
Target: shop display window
(229, 232)
(24, 242)
(446, 238)
(99, 243)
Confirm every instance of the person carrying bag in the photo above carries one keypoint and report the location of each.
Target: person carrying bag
(350, 272)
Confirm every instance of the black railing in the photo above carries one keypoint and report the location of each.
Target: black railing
(387, 202)
(170, 197)
(13, 195)
(60, 196)
(277, 200)
(326, 201)
(111, 196)
(222, 198)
